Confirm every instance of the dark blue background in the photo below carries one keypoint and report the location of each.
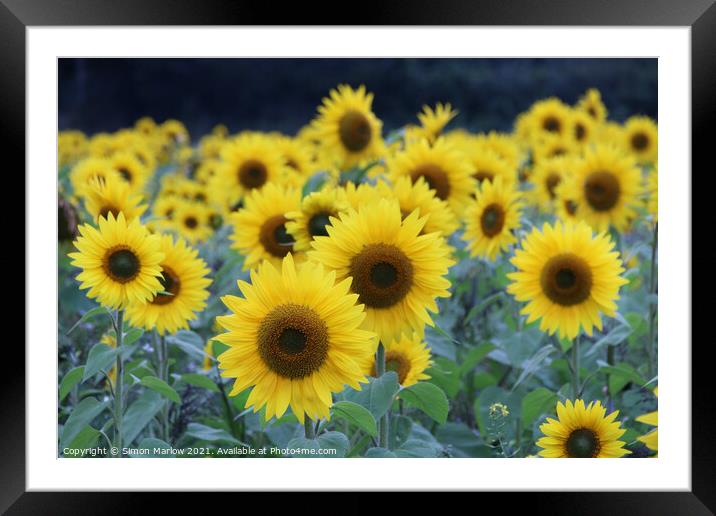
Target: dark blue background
(282, 94)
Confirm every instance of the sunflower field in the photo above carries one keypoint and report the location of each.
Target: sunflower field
(354, 291)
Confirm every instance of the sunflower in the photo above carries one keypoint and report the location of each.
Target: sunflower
(314, 216)
(441, 165)
(487, 165)
(408, 357)
(191, 220)
(347, 127)
(361, 194)
(131, 170)
(549, 117)
(591, 103)
(434, 121)
(568, 276)
(641, 137)
(249, 163)
(583, 127)
(565, 206)
(260, 226)
(297, 155)
(502, 144)
(419, 195)
(294, 337)
(112, 196)
(175, 132)
(491, 219)
(120, 261)
(652, 187)
(582, 432)
(184, 290)
(651, 439)
(397, 272)
(146, 126)
(606, 187)
(547, 176)
(549, 146)
(89, 169)
(71, 146)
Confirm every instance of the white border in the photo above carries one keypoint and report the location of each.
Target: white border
(670, 471)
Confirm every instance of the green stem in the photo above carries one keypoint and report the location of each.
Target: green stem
(651, 344)
(164, 376)
(384, 423)
(119, 381)
(309, 428)
(575, 367)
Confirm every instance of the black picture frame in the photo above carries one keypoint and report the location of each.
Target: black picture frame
(700, 15)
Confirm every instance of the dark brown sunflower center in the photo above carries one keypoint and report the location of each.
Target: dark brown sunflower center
(216, 220)
(252, 174)
(382, 275)
(557, 151)
(121, 264)
(481, 175)
(566, 279)
(126, 174)
(274, 237)
(292, 163)
(570, 207)
(592, 112)
(551, 183)
(551, 124)
(580, 132)
(398, 362)
(293, 341)
(582, 444)
(107, 209)
(639, 141)
(492, 220)
(602, 190)
(436, 178)
(171, 285)
(354, 130)
(191, 222)
(318, 223)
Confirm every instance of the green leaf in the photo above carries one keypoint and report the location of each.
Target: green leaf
(539, 401)
(445, 374)
(378, 395)
(189, 342)
(620, 375)
(357, 415)
(328, 441)
(162, 387)
(429, 398)
(87, 316)
(154, 447)
(199, 380)
(72, 378)
(207, 433)
(379, 453)
(82, 415)
(461, 440)
(100, 358)
(534, 363)
(479, 308)
(139, 414)
(87, 438)
(132, 336)
(474, 357)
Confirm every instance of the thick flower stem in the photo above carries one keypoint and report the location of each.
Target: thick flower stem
(383, 424)
(164, 376)
(575, 368)
(119, 381)
(651, 343)
(309, 428)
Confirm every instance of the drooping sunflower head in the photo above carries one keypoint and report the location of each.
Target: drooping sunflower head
(418, 195)
(582, 432)
(409, 357)
(606, 187)
(397, 272)
(641, 138)
(591, 103)
(183, 294)
(492, 218)
(568, 277)
(192, 221)
(250, 162)
(120, 261)
(433, 121)
(260, 231)
(295, 338)
(441, 165)
(89, 169)
(313, 219)
(347, 128)
(112, 196)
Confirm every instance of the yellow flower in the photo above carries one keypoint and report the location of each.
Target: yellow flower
(582, 432)
(641, 138)
(409, 357)
(294, 337)
(112, 196)
(568, 277)
(652, 187)
(549, 117)
(487, 165)
(249, 163)
(191, 220)
(174, 132)
(131, 170)
(314, 217)
(120, 262)
(89, 169)
(546, 177)
(591, 103)
(434, 121)
(651, 439)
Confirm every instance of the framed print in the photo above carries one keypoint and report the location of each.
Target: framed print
(436, 254)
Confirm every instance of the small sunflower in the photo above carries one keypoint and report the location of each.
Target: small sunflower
(549, 147)
(641, 137)
(294, 337)
(591, 103)
(409, 357)
(606, 187)
(549, 117)
(314, 217)
(583, 127)
(89, 169)
(502, 144)
(131, 170)
(441, 165)
(174, 132)
(651, 439)
(565, 206)
(184, 290)
(433, 121)
(361, 194)
(112, 196)
(297, 155)
(347, 127)
(582, 432)
(546, 178)
(249, 163)
(492, 219)
(419, 195)
(191, 220)
(568, 277)
(397, 272)
(120, 261)
(260, 226)
(487, 165)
